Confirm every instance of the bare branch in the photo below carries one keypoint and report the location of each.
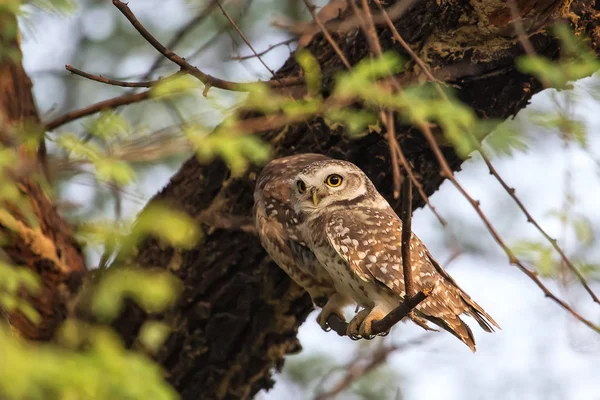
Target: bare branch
(239, 32)
(268, 49)
(357, 368)
(311, 7)
(181, 34)
(406, 234)
(208, 80)
(109, 104)
(114, 82)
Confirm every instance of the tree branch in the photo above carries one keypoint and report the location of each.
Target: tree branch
(109, 104)
(113, 82)
(208, 80)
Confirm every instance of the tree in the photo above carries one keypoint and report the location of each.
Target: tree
(238, 314)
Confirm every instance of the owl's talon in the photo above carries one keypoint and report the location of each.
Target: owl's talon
(335, 305)
(324, 316)
(353, 329)
(366, 326)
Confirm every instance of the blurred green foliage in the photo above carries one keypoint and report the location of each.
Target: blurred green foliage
(13, 281)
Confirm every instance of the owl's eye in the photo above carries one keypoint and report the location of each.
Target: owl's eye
(334, 180)
(301, 186)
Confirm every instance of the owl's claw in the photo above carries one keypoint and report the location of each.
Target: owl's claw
(366, 325)
(324, 316)
(335, 305)
(353, 330)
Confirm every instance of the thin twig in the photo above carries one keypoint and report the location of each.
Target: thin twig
(239, 32)
(391, 128)
(311, 8)
(419, 186)
(406, 216)
(530, 219)
(405, 46)
(515, 14)
(358, 368)
(268, 49)
(181, 34)
(114, 82)
(97, 107)
(371, 32)
(393, 144)
(208, 80)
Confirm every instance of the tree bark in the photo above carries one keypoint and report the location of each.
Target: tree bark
(239, 313)
(45, 244)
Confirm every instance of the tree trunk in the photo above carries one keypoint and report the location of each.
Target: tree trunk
(45, 243)
(239, 313)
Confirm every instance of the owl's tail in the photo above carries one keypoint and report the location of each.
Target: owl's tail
(447, 302)
(457, 327)
(445, 311)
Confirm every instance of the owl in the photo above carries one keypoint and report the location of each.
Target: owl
(355, 236)
(278, 224)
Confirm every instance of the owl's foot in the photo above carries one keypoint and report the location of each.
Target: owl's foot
(366, 326)
(353, 330)
(335, 305)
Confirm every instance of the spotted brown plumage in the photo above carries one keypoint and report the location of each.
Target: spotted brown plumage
(277, 225)
(356, 237)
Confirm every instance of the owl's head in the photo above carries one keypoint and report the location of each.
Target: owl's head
(329, 184)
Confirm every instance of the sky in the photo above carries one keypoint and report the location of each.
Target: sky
(541, 351)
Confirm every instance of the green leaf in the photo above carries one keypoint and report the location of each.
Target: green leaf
(312, 71)
(235, 148)
(539, 253)
(13, 279)
(584, 230)
(154, 291)
(356, 122)
(176, 85)
(172, 226)
(108, 125)
(358, 81)
(115, 171)
(505, 139)
(153, 334)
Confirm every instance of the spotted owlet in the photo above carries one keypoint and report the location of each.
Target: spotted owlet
(277, 224)
(356, 237)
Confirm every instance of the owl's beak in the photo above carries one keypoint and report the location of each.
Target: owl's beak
(315, 198)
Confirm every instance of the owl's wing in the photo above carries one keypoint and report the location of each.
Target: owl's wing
(369, 240)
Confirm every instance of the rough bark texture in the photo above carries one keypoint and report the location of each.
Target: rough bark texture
(239, 314)
(45, 245)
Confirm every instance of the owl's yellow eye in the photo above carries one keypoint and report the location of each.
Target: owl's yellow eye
(301, 186)
(334, 180)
